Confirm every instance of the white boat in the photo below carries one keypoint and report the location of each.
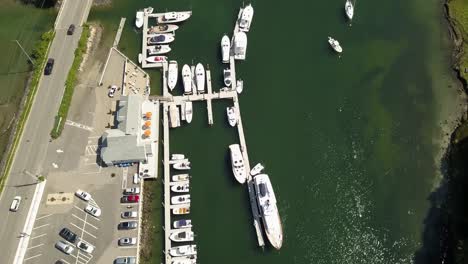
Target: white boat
(237, 162)
(160, 39)
(185, 260)
(182, 236)
(172, 74)
(184, 223)
(181, 187)
(267, 204)
(188, 111)
(174, 17)
(180, 177)
(181, 199)
(239, 86)
(200, 77)
(187, 79)
(232, 115)
(177, 156)
(181, 166)
(349, 9)
(227, 77)
(148, 10)
(225, 48)
(246, 18)
(335, 44)
(181, 210)
(140, 58)
(183, 250)
(156, 59)
(240, 45)
(256, 169)
(158, 49)
(166, 28)
(139, 19)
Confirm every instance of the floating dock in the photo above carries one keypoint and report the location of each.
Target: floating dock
(144, 42)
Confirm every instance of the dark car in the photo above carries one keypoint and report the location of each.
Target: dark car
(125, 260)
(71, 29)
(128, 225)
(130, 199)
(49, 66)
(68, 235)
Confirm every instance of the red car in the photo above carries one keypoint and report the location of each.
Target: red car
(131, 199)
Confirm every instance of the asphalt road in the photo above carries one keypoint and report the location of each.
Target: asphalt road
(32, 148)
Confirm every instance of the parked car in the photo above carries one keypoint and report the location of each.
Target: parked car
(112, 91)
(132, 190)
(71, 29)
(68, 235)
(129, 214)
(128, 225)
(86, 247)
(130, 199)
(127, 241)
(15, 204)
(49, 66)
(83, 195)
(64, 247)
(94, 211)
(125, 260)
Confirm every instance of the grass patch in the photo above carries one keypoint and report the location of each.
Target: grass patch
(458, 12)
(70, 84)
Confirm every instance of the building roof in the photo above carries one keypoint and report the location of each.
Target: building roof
(128, 113)
(119, 147)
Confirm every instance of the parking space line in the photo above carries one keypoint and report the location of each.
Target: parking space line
(95, 227)
(77, 217)
(43, 217)
(38, 236)
(35, 246)
(83, 230)
(40, 226)
(35, 256)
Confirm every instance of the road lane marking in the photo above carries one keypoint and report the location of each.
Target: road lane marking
(38, 236)
(35, 246)
(78, 125)
(40, 226)
(35, 256)
(43, 217)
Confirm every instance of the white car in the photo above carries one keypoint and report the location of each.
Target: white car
(136, 178)
(83, 195)
(132, 190)
(127, 241)
(112, 90)
(64, 247)
(94, 211)
(86, 247)
(129, 214)
(15, 204)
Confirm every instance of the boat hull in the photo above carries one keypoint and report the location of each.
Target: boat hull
(200, 77)
(172, 75)
(225, 48)
(237, 162)
(187, 79)
(174, 17)
(166, 28)
(188, 111)
(158, 49)
(182, 187)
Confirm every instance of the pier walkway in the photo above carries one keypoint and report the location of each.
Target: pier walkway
(119, 32)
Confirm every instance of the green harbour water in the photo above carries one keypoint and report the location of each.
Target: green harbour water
(351, 144)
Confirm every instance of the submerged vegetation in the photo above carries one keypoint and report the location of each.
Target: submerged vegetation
(458, 14)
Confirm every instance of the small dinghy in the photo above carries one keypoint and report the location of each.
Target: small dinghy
(177, 156)
(140, 58)
(184, 223)
(349, 9)
(232, 117)
(227, 77)
(182, 236)
(181, 187)
(257, 169)
(335, 44)
(239, 86)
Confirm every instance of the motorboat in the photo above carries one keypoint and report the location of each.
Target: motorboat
(239, 86)
(181, 187)
(181, 166)
(148, 10)
(269, 212)
(181, 199)
(156, 59)
(183, 250)
(237, 161)
(140, 58)
(187, 79)
(225, 48)
(179, 161)
(139, 19)
(256, 169)
(240, 45)
(165, 28)
(184, 223)
(246, 18)
(335, 44)
(227, 77)
(172, 74)
(182, 236)
(180, 177)
(181, 210)
(200, 77)
(349, 9)
(177, 156)
(232, 115)
(174, 17)
(158, 49)
(185, 260)
(160, 38)
(188, 111)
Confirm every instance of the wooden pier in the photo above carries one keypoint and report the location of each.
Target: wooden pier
(208, 99)
(119, 32)
(144, 42)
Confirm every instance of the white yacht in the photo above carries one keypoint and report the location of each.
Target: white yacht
(181, 166)
(200, 77)
(246, 18)
(139, 19)
(182, 236)
(158, 49)
(172, 74)
(181, 199)
(184, 223)
(183, 250)
(237, 161)
(256, 169)
(232, 115)
(335, 44)
(188, 111)
(239, 86)
(156, 59)
(349, 9)
(187, 79)
(165, 28)
(180, 177)
(185, 260)
(174, 17)
(225, 48)
(177, 156)
(240, 45)
(267, 204)
(181, 187)
(227, 77)
(181, 210)
(160, 38)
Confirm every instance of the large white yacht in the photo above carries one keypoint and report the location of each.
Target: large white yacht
(267, 204)
(183, 250)
(225, 48)
(173, 72)
(174, 17)
(182, 236)
(188, 111)
(240, 45)
(187, 79)
(349, 9)
(237, 161)
(200, 77)
(246, 18)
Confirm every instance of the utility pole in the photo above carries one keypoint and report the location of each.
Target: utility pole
(17, 42)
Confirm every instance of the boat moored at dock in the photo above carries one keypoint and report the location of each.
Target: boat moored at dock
(172, 74)
(182, 236)
(156, 59)
(160, 38)
(188, 111)
(240, 45)
(181, 166)
(181, 187)
(200, 77)
(335, 44)
(183, 250)
(165, 28)
(225, 48)
(158, 49)
(139, 19)
(185, 260)
(227, 77)
(187, 79)
(237, 162)
(246, 18)
(267, 204)
(239, 86)
(181, 210)
(181, 199)
(257, 169)
(180, 177)
(231, 115)
(177, 156)
(174, 17)
(183, 223)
